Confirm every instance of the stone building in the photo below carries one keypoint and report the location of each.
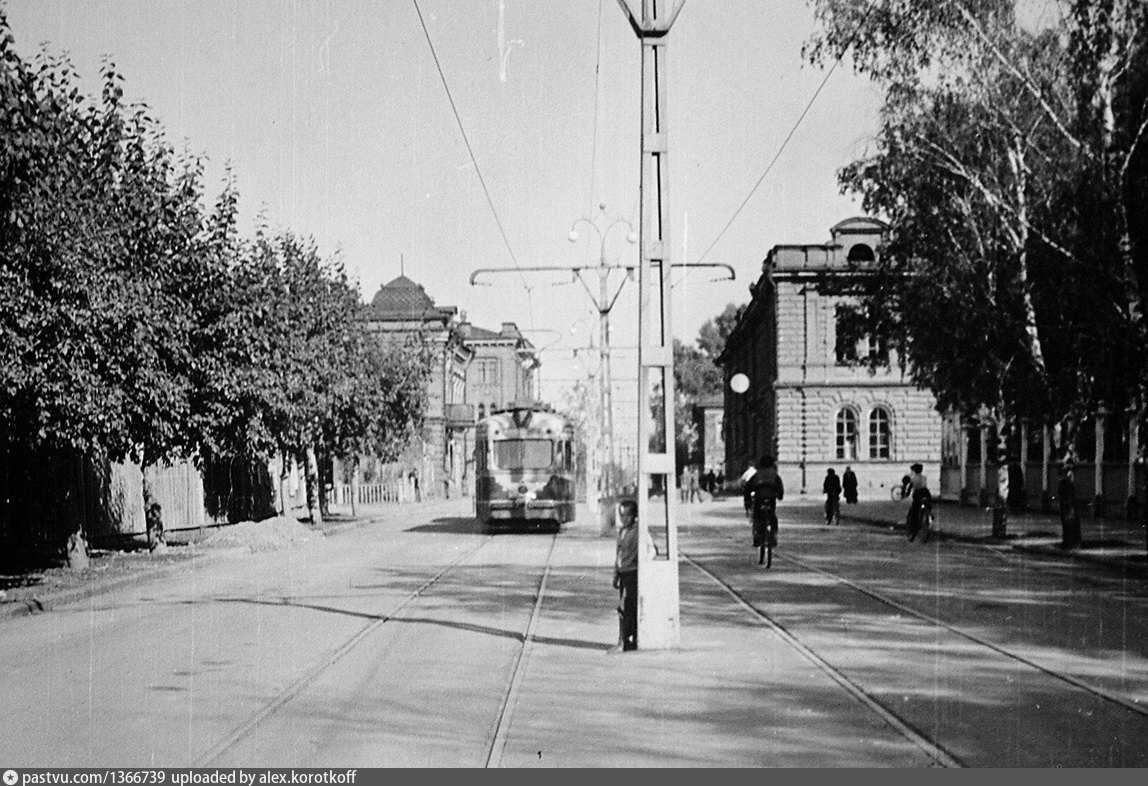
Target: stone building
(807, 402)
(503, 367)
(474, 369)
(400, 311)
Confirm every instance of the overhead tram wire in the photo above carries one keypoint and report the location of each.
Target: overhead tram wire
(597, 88)
(473, 159)
(792, 131)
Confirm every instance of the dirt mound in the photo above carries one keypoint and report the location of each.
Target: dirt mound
(266, 535)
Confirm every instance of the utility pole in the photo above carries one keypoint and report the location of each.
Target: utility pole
(658, 603)
(605, 303)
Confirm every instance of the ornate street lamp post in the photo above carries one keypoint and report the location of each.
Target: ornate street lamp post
(604, 303)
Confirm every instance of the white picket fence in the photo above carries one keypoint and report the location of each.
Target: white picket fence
(390, 492)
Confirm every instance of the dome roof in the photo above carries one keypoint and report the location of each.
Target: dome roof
(402, 298)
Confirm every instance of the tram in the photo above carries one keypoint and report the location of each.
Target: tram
(524, 464)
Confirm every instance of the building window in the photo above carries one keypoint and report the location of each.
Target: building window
(488, 372)
(845, 347)
(880, 434)
(860, 252)
(481, 411)
(851, 340)
(846, 434)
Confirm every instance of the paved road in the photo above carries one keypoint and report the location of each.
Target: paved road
(415, 640)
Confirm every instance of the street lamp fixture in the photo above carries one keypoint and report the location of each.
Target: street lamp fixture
(604, 303)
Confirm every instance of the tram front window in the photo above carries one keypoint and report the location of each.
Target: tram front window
(523, 454)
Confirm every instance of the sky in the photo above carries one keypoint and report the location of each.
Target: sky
(334, 118)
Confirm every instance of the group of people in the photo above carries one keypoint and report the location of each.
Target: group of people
(833, 488)
(693, 482)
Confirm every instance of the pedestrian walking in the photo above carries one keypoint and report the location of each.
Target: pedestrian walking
(763, 489)
(1015, 495)
(832, 490)
(922, 499)
(849, 486)
(693, 491)
(413, 477)
(626, 572)
(1066, 498)
(710, 481)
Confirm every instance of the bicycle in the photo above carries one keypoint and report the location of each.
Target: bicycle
(921, 518)
(927, 523)
(899, 493)
(764, 534)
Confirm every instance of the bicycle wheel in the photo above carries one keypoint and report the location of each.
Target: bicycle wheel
(896, 494)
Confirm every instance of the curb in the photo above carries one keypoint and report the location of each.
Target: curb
(38, 604)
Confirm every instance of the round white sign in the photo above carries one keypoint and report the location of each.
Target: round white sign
(739, 383)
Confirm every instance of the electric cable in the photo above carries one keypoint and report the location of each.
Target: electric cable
(792, 131)
(473, 159)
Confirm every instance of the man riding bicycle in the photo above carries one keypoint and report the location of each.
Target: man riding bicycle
(763, 488)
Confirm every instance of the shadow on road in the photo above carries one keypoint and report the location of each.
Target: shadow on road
(453, 525)
(466, 626)
(459, 525)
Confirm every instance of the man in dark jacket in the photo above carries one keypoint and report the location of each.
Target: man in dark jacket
(763, 488)
(832, 490)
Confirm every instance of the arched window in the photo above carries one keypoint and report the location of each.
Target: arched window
(846, 433)
(880, 434)
(860, 253)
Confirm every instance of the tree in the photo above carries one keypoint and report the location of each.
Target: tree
(714, 332)
(1011, 166)
(378, 400)
(99, 225)
(137, 325)
(695, 373)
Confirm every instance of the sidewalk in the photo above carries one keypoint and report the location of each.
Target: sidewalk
(1116, 542)
(127, 561)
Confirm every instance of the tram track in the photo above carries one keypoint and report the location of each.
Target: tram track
(923, 742)
(881, 597)
(496, 737)
(903, 725)
(272, 706)
(493, 756)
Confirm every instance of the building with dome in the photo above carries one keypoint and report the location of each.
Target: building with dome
(474, 370)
